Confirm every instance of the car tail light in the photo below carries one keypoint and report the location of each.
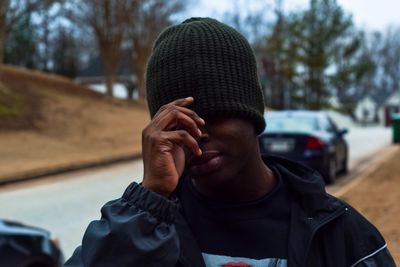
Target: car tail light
(313, 143)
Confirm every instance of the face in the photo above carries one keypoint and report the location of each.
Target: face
(228, 142)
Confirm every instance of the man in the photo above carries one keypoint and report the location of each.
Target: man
(208, 198)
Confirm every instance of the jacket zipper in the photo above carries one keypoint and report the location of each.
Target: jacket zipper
(335, 215)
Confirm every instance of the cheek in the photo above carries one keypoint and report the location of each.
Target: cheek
(234, 137)
(240, 143)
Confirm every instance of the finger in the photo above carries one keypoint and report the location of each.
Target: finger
(177, 120)
(184, 122)
(173, 113)
(193, 115)
(183, 101)
(179, 102)
(183, 139)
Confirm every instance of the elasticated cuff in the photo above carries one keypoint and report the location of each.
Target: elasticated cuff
(160, 207)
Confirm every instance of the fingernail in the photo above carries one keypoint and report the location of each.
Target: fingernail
(200, 152)
(198, 130)
(202, 121)
(189, 98)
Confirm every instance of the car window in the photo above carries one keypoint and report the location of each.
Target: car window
(331, 126)
(291, 124)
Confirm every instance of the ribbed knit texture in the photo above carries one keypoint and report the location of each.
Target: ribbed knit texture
(210, 61)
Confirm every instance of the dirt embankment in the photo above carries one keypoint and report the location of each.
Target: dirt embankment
(377, 197)
(52, 122)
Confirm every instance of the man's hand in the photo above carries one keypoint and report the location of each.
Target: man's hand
(173, 127)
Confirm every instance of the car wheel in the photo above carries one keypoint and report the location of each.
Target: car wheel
(344, 168)
(330, 173)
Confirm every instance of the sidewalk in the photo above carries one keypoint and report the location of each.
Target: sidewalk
(360, 169)
(376, 194)
(66, 168)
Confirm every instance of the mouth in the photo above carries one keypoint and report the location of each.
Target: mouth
(208, 162)
(204, 158)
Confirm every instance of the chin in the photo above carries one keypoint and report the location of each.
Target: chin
(212, 179)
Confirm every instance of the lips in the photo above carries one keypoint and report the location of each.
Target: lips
(204, 158)
(207, 163)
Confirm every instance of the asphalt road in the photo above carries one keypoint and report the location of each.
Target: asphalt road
(65, 204)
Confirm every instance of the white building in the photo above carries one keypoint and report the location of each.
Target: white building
(390, 106)
(365, 111)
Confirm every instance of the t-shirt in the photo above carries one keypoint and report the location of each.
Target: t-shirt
(253, 233)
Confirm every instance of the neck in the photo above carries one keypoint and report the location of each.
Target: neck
(252, 182)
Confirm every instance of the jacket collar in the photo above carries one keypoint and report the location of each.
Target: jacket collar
(306, 185)
(311, 209)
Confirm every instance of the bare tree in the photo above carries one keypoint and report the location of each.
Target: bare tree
(384, 51)
(249, 20)
(147, 18)
(107, 21)
(11, 11)
(46, 20)
(4, 6)
(390, 58)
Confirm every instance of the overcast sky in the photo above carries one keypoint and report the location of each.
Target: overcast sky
(367, 14)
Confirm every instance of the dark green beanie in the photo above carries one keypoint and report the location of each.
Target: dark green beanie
(210, 61)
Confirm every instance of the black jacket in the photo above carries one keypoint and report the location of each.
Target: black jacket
(146, 229)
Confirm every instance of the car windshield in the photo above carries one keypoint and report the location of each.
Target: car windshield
(291, 124)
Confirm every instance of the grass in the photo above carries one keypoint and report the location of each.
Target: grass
(10, 104)
(48, 122)
(10, 111)
(18, 109)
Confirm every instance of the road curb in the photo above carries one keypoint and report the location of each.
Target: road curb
(38, 174)
(365, 168)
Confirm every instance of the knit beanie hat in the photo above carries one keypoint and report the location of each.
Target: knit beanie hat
(210, 61)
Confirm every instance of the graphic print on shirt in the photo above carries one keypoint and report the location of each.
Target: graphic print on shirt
(226, 261)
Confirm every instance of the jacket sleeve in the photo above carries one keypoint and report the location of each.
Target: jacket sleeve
(135, 230)
(368, 247)
(378, 258)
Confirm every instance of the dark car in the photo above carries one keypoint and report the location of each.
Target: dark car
(26, 246)
(309, 137)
